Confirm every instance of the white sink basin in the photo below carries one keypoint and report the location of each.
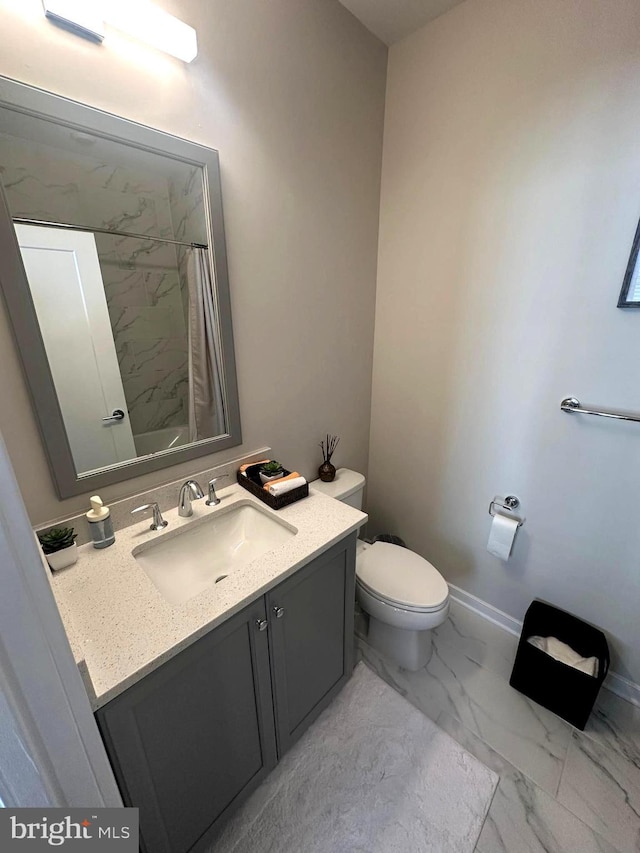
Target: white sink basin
(183, 563)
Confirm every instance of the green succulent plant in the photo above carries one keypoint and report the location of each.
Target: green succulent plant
(271, 468)
(56, 539)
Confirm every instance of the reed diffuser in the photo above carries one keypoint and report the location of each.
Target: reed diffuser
(327, 471)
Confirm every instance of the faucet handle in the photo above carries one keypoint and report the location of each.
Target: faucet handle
(213, 499)
(158, 520)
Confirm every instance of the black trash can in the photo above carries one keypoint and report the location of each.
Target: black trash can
(566, 691)
(390, 538)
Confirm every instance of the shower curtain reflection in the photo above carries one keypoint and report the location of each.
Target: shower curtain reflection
(207, 416)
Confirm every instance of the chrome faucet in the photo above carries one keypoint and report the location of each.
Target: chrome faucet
(158, 521)
(188, 491)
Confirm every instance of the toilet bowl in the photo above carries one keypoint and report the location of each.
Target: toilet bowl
(403, 594)
(405, 597)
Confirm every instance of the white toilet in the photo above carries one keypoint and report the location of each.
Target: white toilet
(404, 595)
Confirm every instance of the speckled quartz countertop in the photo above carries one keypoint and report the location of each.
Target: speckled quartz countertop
(119, 625)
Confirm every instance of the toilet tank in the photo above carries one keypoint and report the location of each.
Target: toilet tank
(347, 487)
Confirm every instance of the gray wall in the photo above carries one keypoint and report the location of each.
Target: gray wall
(510, 197)
(291, 92)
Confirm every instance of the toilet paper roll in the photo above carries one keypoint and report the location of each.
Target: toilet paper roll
(502, 536)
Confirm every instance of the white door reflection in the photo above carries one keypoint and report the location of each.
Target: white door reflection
(68, 294)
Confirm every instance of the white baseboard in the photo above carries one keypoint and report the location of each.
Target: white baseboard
(487, 611)
(617, 684)
(621, 686)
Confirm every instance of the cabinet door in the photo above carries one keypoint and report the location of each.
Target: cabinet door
(311, 637)
(190, 740)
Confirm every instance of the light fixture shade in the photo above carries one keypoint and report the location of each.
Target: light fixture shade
(145, 21)
(79, 16)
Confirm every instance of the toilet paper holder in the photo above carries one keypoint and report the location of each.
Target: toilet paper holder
(510, 503)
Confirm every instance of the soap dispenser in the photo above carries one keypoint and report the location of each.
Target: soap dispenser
(100, 524)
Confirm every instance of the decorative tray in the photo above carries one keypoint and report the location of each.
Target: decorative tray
(252, 483)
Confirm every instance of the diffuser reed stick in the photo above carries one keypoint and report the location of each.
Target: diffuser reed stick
(332, 443)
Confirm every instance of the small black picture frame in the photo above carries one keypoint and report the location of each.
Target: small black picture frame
(630, 274)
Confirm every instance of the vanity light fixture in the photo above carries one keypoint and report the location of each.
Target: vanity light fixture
(138, 18)
(81, 17)
(145, 21)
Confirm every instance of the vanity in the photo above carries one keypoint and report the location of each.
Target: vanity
(198, 700)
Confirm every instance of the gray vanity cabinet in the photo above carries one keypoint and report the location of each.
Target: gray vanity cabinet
(311, 637)
(195, 735)
(192, 739)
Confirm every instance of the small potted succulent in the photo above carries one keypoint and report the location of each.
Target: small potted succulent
(271, 471)
(327, 471)
(59, 546)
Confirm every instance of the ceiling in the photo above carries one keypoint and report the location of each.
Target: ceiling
(392, 20)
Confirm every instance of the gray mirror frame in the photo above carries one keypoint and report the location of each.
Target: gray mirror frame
(15, 288)
(623, 300)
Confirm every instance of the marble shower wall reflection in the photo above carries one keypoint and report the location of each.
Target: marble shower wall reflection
(144, 280)
(147, 317)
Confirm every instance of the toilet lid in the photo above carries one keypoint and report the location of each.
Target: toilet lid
(401, 576)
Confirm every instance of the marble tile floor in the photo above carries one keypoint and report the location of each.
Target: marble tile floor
(371, 775)
(560, 790)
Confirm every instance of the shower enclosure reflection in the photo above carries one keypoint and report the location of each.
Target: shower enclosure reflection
(91, 374)
(116, 239)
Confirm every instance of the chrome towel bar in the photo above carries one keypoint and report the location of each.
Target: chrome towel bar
(570, 404)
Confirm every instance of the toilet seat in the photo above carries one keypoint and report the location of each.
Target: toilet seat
(399, 605)
(400, 577)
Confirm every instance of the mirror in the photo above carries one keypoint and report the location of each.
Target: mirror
(114, 275)
(630, 293)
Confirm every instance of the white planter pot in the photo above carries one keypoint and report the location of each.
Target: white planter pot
(266, 478)
(63, 558)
